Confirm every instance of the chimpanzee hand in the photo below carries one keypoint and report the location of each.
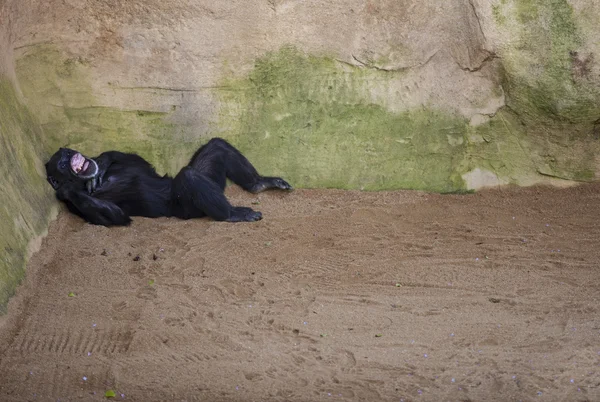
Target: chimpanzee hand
(96, 182)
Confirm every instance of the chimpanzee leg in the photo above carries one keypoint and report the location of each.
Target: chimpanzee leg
(220, 160)
(196, 195)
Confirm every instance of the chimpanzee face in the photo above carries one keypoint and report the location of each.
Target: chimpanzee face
(69, 165)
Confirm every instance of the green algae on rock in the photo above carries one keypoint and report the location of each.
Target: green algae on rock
(309, 119)
(24, 206)
(58, 90)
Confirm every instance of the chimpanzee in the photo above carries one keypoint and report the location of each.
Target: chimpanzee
(110, 188)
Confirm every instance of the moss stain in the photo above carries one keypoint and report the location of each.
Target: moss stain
(540, 67)
(24, 206)
(556, 106)
(307, 118)
(57, 89)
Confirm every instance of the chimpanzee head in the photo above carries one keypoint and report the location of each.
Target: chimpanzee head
(69, 165)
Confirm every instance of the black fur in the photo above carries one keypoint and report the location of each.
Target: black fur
(129, 186)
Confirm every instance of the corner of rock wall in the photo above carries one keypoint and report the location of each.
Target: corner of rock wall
(552, 82)
(26, 205)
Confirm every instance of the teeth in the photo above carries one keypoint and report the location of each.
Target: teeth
(77, 163)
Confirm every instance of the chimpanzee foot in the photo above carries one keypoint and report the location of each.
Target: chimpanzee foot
(267, 183)
(243, 214)
(281, 184)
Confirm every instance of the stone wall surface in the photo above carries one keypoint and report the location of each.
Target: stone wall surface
(25, 207)
(445, 96)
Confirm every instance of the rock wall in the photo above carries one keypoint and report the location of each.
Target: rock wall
(24, 199)
(378, 94)
(446, 96)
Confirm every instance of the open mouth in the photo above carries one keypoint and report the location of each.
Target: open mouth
(79, 164)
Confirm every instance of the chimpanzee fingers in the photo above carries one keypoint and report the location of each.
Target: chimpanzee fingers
(90, 185)
(100, 178)
(244, 214)
(281, 184)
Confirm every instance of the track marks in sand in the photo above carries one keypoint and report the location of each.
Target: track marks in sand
(73, 341)
(303, 305)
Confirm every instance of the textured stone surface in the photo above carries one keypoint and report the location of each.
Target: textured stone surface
(24, 197)
(161, 77)
(376, 94)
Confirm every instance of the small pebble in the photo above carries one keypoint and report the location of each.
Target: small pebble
(89, 353)
(453, 380)
(84, 378)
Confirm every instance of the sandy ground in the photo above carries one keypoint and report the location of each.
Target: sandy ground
(333, 296)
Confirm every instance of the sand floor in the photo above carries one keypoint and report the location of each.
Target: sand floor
(334, 295)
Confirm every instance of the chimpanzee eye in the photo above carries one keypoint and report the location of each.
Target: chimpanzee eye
(62, 165)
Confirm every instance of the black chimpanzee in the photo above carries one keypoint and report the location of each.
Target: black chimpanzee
(110, 188)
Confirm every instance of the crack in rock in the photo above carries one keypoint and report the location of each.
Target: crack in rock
(490, 57)
(363, 64)
(474, 9)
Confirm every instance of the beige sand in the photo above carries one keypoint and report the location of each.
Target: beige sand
(333, 296)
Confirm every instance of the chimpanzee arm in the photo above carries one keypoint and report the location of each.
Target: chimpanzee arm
(93, 210)
(105, 160)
